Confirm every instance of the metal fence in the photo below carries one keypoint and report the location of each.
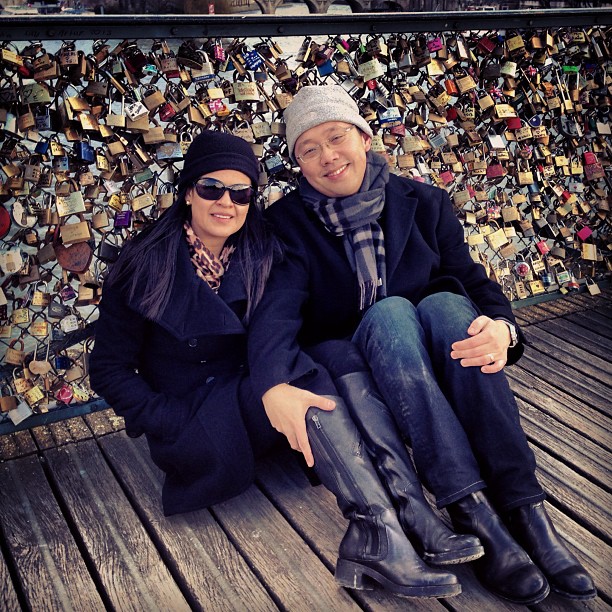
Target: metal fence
(508, 112)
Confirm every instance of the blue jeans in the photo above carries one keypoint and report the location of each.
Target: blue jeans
(463, 425)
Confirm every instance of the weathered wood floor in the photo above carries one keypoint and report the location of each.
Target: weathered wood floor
(81, 527)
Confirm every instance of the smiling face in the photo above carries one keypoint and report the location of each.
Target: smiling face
(339, 171)
(214, 221)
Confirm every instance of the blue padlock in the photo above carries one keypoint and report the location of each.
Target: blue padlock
(42, 146)
(326, 68)
(62, 362)
(84, 151)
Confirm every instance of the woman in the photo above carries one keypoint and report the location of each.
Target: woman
(378, 262)
(170, 357)
(170, 350)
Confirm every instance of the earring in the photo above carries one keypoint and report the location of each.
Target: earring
(188, 202)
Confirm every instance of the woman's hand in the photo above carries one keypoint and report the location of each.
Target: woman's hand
(286, 407)
(487, 347)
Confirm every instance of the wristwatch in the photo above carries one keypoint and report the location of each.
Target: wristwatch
(513, 333)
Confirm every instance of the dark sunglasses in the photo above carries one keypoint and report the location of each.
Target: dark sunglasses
(213, 189)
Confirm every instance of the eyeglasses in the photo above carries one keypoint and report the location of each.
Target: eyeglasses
(313, 152)
(213, 189)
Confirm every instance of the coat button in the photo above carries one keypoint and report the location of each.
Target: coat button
(193, 342)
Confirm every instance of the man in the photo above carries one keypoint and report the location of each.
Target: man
(381, 260)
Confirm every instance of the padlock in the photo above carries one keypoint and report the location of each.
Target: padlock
(123, 218)
(15, 356)
(67, 293)
(84, 151)
(55, 310)
(62, 362)
(70, 323)
(8, 401)
(79, 392)
(109, 251)
(592, 287)
(522, 268)
(64, 394)
(34, 396)
(20, 413)
(41, 298)
(21, 382)
(274, 163)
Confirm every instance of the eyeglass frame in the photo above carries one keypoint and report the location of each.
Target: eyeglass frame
(228, 188)
(319, 147)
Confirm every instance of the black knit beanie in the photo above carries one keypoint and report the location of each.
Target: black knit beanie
(212, 151)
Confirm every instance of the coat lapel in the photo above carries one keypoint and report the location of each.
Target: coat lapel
(400, 207)
(195, 309)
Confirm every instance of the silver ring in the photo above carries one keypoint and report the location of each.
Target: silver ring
(491, 358)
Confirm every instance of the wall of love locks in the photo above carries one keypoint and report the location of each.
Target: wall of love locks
(514, 124)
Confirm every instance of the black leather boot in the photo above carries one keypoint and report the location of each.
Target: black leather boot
(506, 568)
(435, 542)
(374, 547)
(533, 530)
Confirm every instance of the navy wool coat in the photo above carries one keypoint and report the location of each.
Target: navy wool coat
(313, 295)
(177, 382)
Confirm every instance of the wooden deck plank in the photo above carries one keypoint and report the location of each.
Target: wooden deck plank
(579, 336)
(556, 403)
(520, 319)
(9, 600)
(570, 355)
(16, 445)
(530, 315)
(593, 322)
(128, 566)
(202, 559)
(590, 391)
(40, 543)
(283, 561)
(314, 513)
(61, 433)
(561, 307)
(275, 547)
(104, 422)
(589, 459)
(582, 499)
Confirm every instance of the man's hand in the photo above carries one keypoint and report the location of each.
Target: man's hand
(487, 347)
(286, 407)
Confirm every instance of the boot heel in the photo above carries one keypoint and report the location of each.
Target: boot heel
(350, 575)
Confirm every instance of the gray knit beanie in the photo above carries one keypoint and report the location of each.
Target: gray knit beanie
(317, 104)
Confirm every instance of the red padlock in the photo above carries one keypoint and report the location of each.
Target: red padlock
(486, 44)
(584, 233)
(435, 44)
(64, 394)
(522, 269)
(451, 87)
(451, 113)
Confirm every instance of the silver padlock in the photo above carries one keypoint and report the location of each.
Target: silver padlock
(69, 324)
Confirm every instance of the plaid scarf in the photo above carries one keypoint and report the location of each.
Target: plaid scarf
(208, 266)
(355, 218)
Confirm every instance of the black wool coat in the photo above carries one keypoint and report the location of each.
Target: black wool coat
(177, 382)
(313, 295)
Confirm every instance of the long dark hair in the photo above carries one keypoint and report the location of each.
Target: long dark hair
(149, 260)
